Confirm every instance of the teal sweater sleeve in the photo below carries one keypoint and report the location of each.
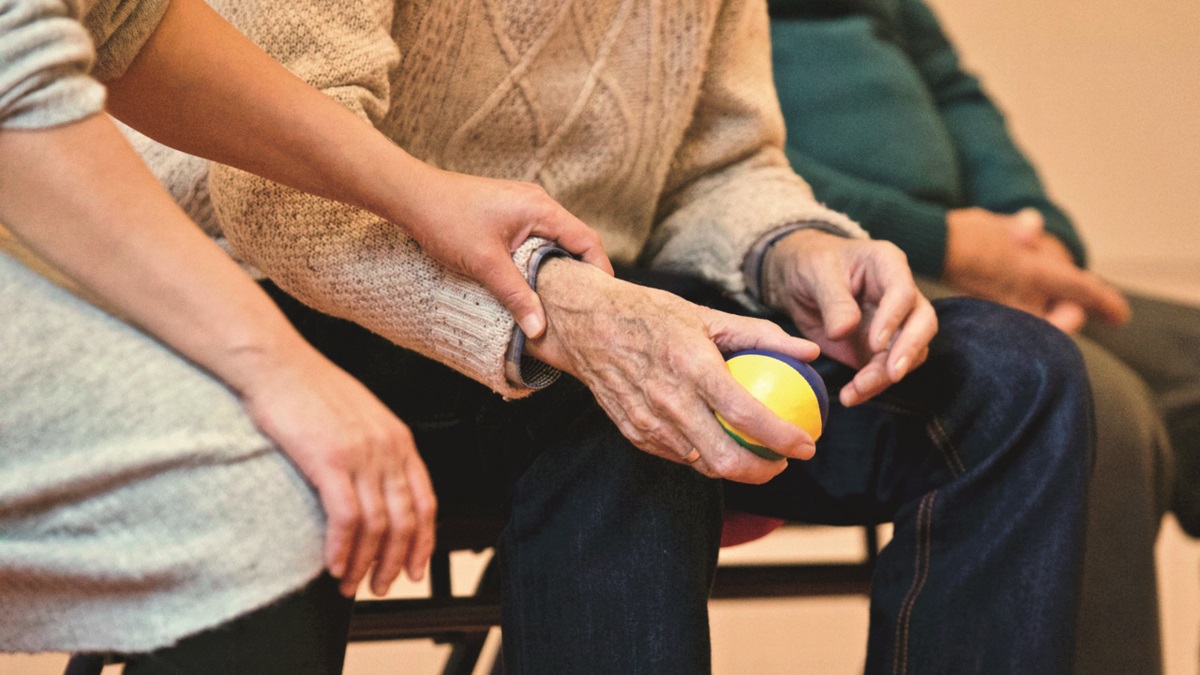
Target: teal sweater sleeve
(996, 175)
(918, 227)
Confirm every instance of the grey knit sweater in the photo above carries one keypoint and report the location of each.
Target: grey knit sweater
(48, 61)
(138, 503)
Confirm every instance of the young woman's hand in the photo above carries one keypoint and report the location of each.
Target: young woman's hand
(78, 196)
(472, 225)
(200, 86)
(357, 454)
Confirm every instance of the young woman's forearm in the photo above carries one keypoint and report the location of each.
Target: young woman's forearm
(80, 197)
(201, 87)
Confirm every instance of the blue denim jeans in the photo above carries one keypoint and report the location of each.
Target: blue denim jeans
(980, 457)
(607, 554)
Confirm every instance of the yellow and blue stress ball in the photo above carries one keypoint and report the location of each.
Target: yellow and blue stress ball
(788, 386)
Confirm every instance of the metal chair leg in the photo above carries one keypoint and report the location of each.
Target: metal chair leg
(85, 664)
(469, 646)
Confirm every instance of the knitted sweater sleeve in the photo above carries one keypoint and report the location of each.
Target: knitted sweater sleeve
(996, 174)
(730, 183)
(47, 56)
(338, 259)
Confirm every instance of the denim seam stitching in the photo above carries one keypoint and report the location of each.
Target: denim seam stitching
(937, 434)
(933, 429)
(921, 556)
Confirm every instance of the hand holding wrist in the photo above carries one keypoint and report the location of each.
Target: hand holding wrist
(653, 361)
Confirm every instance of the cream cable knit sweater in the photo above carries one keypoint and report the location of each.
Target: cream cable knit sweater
(656, 123)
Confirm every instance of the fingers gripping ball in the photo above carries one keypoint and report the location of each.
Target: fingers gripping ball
(789, 387)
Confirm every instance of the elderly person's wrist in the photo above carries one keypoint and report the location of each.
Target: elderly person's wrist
(523, 366)
(567, 288)
(775, 268)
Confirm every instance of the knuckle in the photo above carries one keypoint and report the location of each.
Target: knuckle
(339, 456)
(343, 517)
(537, 200)
(635, 435)
(643, 421)
(425, 509)
(590, 237)
(375, 521)
(894, 252)
(740, 415)
(934, 322)
(402, 435)
(722, 464)
(519, 297)
(404, 528)
(823, 262)
(661, 399)
(378, 439)
(677, 361)
(536, 190)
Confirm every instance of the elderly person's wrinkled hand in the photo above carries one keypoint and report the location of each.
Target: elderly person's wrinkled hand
(654, 362)
(1012, 260)
(855, 298)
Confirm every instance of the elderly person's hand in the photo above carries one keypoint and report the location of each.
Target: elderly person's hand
(855, 298)
(655, 364)
(1012, 260)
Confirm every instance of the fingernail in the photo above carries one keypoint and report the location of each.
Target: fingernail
(883, 338)
(532, 325)
(901, 368)
(848, 397)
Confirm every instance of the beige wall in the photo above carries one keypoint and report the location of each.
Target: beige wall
(1105, 96)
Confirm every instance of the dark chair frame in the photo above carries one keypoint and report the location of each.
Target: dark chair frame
(464, 621)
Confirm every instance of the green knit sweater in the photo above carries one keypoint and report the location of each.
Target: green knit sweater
(888, 128)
